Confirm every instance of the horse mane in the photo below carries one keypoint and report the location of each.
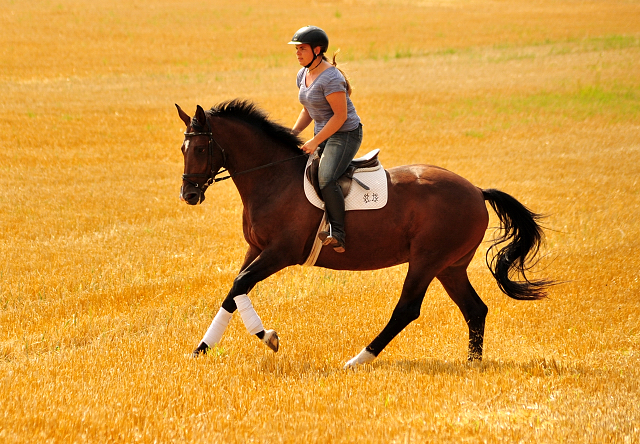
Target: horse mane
(250, 113)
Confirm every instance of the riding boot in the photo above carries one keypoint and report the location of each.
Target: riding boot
(334, 206)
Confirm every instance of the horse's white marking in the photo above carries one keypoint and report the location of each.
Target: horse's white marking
(248, 314)
(217, 327)
(363, 357)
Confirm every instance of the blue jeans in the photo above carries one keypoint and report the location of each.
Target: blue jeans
(339, 151)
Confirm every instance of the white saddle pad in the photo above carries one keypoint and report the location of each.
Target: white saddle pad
(359, 198)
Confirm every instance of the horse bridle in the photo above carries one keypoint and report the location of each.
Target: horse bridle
(210, 176)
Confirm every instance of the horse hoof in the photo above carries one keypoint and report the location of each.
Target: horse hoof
(271, 339)
(201, 350)
(363, 357)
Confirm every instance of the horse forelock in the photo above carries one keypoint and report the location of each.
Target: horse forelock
(197, 126)
(250, 113)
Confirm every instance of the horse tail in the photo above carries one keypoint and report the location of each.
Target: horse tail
(520, 226)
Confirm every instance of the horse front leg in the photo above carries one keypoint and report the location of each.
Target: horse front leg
(263, 266)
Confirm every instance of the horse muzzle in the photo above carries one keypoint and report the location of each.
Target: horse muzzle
(192, 195)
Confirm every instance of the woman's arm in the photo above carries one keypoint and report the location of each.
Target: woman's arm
(338, 103)
(304, 119)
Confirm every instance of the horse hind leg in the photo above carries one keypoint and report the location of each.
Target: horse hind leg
(406, 311)
(456, 282)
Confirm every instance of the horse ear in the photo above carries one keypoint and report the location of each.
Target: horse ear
(185, 118)
(201, 116)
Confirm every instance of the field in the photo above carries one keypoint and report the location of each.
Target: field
(108, 281)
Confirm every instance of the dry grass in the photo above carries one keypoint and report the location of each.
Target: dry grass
(108, 281)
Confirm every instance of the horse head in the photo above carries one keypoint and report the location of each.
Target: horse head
(201, 160)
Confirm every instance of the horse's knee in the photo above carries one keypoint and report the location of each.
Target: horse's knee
(240, 286)
(229, 304)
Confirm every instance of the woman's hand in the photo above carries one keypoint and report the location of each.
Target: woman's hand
(310, 146)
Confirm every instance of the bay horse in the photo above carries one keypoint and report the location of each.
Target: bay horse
(434, 220)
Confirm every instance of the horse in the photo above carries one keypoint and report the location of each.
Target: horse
(434, 220)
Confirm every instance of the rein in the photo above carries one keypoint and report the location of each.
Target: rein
(211, 175)
(254, 169)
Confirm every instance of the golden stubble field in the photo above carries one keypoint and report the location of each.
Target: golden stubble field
(107, 281)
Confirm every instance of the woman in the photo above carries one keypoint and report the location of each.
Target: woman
(324, 94)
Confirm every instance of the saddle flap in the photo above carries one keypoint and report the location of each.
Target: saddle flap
(369, 160)
(344, 181)
(369, 193)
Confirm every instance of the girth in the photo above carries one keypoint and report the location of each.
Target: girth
(368, 161)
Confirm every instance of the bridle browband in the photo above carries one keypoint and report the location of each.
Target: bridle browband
(210, 176)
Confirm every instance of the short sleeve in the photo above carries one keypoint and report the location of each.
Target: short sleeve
(300, 77)
(336, 83)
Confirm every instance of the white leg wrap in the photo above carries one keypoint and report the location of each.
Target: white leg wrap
(217, 327)
(248, 314)
(363, 357)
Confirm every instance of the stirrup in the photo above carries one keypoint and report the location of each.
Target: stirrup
(328, 239)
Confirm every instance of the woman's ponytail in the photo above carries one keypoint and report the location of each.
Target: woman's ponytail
(334, 63)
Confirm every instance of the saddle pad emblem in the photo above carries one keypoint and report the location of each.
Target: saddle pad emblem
(358, 198)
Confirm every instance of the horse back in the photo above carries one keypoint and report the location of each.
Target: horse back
(429, 210)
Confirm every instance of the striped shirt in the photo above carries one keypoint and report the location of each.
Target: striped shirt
(313, 98)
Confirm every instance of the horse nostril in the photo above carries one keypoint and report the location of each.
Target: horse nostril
(191, 198)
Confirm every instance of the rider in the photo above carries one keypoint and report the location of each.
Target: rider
(324, 94)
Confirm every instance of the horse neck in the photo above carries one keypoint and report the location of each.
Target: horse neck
(246, 149)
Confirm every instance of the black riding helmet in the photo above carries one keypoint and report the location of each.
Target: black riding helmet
(314, 37)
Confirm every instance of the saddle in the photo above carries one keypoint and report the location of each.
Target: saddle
(368, 162)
